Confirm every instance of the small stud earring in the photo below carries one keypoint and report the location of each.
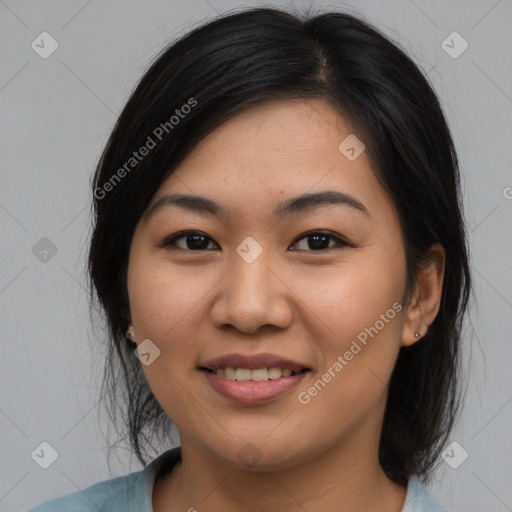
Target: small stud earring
(130, 332)
(418, 334)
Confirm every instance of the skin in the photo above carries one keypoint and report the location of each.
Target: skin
(294, 300)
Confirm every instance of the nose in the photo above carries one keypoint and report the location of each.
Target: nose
(252, 295)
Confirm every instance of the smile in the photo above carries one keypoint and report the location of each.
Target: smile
(250, 390)
(256, 374)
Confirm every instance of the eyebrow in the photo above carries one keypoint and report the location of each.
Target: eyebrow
(295, 205)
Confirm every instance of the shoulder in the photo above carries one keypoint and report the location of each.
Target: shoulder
(419, 500)
(107, 496)
(121, 494)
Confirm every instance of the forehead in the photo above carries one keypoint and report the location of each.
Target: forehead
(275, 150)
(305, 133)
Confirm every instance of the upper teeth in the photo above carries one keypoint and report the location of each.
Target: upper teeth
(244, 374)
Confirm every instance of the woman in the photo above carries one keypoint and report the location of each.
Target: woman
(281, 257)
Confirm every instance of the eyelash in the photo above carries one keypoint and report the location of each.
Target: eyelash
(170, 242)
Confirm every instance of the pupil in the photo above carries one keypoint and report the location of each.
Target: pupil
(196, 242)
(319, 241)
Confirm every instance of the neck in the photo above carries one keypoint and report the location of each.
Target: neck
(343, 477)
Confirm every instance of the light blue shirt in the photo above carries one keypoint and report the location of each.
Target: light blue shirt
(132, 492)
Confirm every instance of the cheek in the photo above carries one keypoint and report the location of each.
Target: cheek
(163, 298)
(355, 312)
(357, 333)
(342, 301)
(164, 303)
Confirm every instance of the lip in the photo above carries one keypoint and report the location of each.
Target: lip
(253, 361)
(252, 392)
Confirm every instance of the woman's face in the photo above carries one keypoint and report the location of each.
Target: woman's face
(248, 281)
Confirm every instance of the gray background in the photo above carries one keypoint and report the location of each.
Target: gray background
(56, 116)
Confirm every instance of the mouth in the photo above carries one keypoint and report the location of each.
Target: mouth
(252, 379)
(254, 374)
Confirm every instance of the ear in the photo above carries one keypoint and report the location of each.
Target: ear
(426, 298)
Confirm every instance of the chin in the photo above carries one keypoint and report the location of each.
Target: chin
(260, 454)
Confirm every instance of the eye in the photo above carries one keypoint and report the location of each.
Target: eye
(197, 241)
(319, 241)
(193, 241)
